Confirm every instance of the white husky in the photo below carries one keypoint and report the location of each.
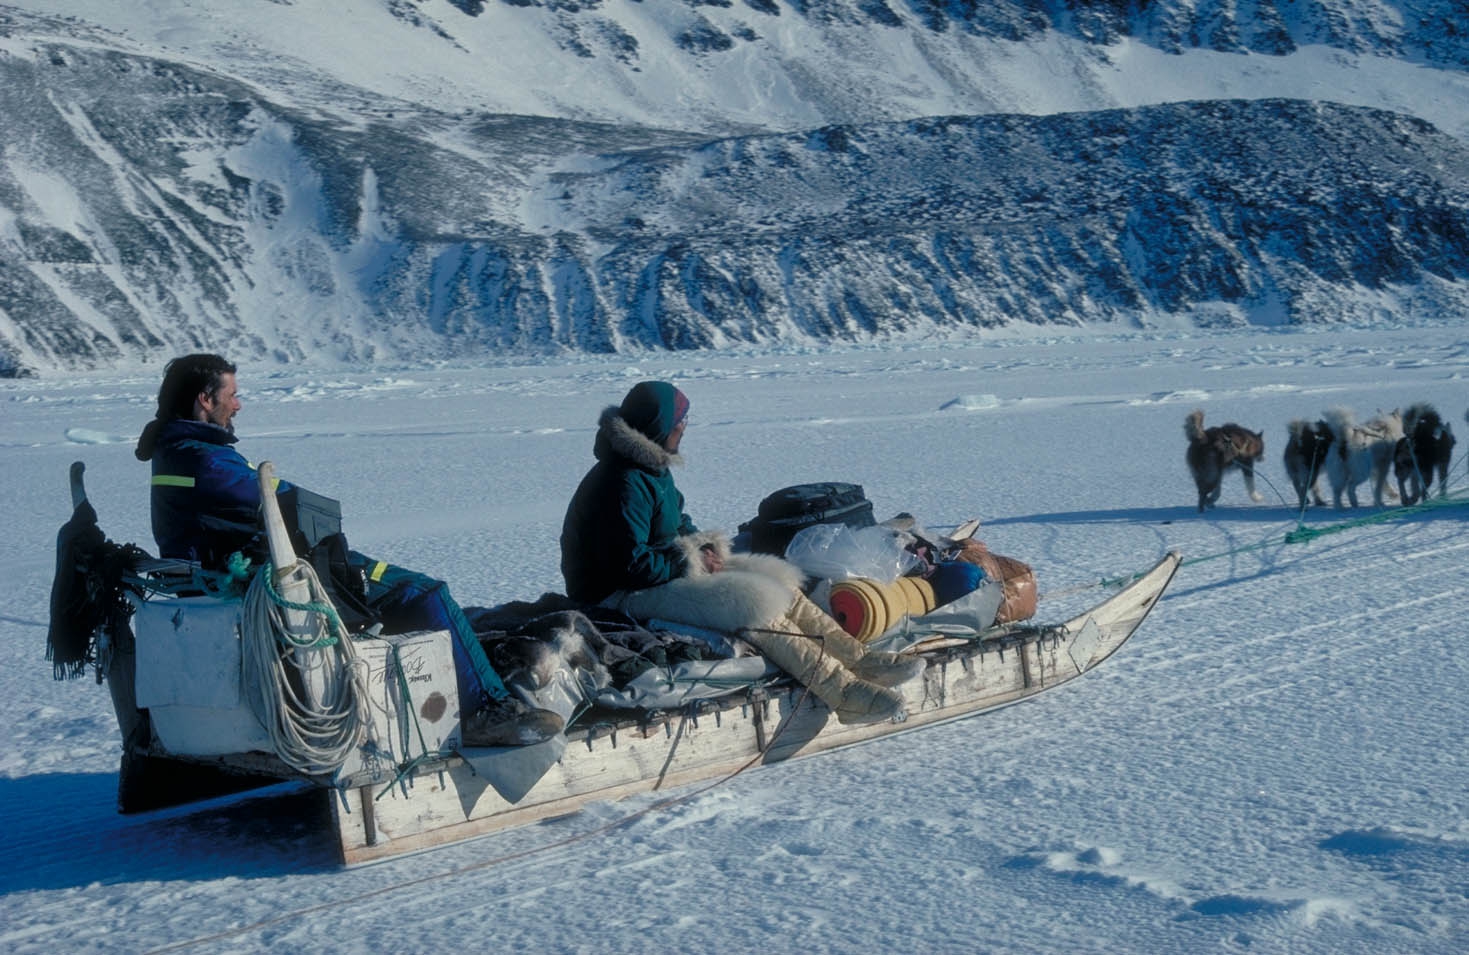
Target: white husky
(1361, 451)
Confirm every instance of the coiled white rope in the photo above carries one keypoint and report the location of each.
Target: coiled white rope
(302, 675)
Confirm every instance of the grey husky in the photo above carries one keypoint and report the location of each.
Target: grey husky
(1360, 452)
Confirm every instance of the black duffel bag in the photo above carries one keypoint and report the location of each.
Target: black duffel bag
(792, 509)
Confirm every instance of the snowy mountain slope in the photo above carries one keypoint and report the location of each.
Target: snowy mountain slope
(208, 175)
(714, 65)
(180, 211)
(1267, 210)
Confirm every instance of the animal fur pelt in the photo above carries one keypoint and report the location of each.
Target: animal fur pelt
(1427, 445)
(1305, 458)
(1212, 451)
(88, 595)
(545, 648)
(1360, 452)
(514, 634)
(751, 591)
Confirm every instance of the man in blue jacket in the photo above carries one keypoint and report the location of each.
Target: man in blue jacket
(205, 495)
(206, 506)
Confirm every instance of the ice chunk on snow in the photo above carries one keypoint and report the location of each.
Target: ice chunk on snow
(89, 436)
(971, 403)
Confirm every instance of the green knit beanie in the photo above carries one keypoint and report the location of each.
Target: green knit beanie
(654, 408)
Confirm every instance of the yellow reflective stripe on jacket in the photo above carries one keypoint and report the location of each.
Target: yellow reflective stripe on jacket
(275, 482)
(378, 569)
(178, 480)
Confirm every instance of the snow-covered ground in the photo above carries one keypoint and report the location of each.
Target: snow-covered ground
(1274, 763)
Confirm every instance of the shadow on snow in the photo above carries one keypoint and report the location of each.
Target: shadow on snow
(74, 836)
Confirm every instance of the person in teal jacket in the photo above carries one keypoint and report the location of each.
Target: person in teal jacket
(206, 506)
(627, 543)
(624, 525)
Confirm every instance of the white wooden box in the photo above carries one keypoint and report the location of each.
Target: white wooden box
(188, 677)
(416, 669)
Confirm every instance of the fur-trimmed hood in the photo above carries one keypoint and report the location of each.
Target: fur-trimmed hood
(618, 439)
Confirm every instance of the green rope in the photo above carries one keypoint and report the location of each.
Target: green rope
(227, 584)
(1301, 534)
(577, 713)
(324, 608)
(406, 699)
(1116, 583)
(409, 768)
(238, 571)
(1247, 548)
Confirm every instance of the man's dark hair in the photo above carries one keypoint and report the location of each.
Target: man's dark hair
(184, 379)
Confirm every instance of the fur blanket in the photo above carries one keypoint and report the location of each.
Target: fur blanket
(538, 637)
(752, 590)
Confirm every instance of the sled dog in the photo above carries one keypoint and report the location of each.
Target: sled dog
(1360, 452)
(1305, 458)
(1212, 451)
(1427, 445)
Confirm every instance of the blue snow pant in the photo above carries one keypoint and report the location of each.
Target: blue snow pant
(406, 600)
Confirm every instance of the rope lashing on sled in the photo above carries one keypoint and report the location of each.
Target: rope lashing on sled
(305, 683)
(323, 607)
(408, 768)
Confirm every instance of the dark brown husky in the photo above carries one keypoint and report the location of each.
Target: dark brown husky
(1427, 445)
(1213, 451)
(1305, 458)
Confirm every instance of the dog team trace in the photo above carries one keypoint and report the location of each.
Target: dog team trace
(404, 781)
(1414, 447)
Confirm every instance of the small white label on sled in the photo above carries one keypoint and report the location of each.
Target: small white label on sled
(1084, 645)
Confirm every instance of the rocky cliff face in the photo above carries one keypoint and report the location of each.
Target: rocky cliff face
(149, 207)
(1428, 31)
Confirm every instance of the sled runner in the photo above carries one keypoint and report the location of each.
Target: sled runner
(184, 699)
(764, 726)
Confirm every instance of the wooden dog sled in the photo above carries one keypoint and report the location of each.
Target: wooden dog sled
(427, 790)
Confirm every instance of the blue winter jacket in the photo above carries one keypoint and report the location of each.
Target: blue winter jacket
(206, 496)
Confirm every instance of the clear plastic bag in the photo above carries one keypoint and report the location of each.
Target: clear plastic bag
(838, 552)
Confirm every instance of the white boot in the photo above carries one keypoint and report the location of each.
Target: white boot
(864, 702)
